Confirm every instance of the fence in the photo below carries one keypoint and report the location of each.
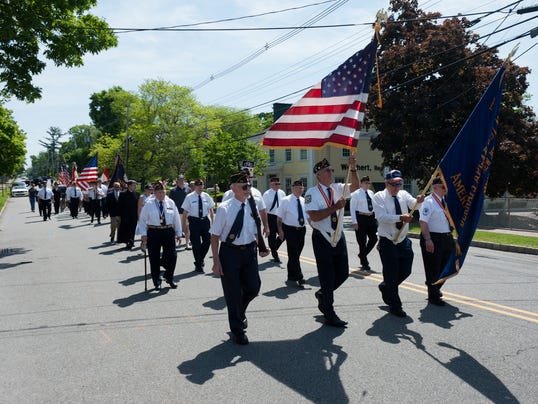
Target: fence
(510, 213)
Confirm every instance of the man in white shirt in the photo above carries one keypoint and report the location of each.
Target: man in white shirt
(436, 241)
(272, 199)
(323, 203)
(363, 218)
(45, 200)
(391, 207)
(160, 226)
(236, 262)
(73, 195)
(198, 209)
(291, 223)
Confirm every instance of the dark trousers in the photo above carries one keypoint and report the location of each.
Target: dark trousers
(397, 260)
(200, 239)
(273, 240)
(165, 239)
(104, 207)
(46, 207)
(32, 203)
(333, 267)
(367, 231)
(240, 283)
(95, 209)
(435, 262)
(73, 206)
(56, 206)
(295, 243)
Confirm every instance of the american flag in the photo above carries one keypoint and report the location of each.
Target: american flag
(119, 172)
(332, 111)
(88, 174)
(63, 175)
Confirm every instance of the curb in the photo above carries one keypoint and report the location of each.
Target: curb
(494, 246)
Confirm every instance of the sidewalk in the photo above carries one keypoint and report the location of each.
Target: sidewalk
(482, 244)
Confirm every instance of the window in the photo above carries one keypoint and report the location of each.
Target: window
(346, 153)
(271, 155)
(303, 154)
(288, 154)
(287, 185)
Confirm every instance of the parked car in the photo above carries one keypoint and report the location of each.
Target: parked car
(19, 190)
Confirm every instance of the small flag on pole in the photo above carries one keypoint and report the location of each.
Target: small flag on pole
(119, 172)
(332, 111)
(63, 175)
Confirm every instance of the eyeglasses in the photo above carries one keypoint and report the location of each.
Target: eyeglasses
(395, 184)
(245, 187)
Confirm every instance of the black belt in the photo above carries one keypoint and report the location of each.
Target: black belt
(365, 214)
(168, 226)
(239, 247)
(441, 234)
(294, 227)
(197, 218)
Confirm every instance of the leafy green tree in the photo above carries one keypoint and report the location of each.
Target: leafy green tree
(12, 144)
(109, 110)
(78, 149)
(39, 165)
(423, 111)
(60, 31)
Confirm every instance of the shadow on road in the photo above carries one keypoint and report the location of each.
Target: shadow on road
(217, 304)
(284, 292)
(309, 365)
(140, 297)
(12, 265)
(442, 316)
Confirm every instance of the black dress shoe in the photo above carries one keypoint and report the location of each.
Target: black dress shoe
(171, 284)
(320, 301)
(335, 321)
(245, 323)
(398, 312)
(240, 339)
(437, 301)
(301, 282)
(366, 267)
(199, 270)
(158, 285)
(381, 287)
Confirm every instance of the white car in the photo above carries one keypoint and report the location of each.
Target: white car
(19, 190)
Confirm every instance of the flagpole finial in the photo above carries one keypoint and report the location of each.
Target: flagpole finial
(512, 53)
(380, 17)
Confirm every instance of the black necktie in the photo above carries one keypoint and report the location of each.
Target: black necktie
(163, 217)
(200, 207)
(237, 225)
(334, 218)
(398, 211)
(369, 201)
(443, 203)
(275, 202)
(300, 212)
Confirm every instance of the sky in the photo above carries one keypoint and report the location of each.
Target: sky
(285, 63)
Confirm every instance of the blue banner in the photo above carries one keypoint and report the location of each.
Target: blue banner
(465, 169)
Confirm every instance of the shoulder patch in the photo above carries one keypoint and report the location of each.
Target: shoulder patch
(307, 199)
(426, 211)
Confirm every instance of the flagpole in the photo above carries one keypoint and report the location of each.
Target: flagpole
(341, 211)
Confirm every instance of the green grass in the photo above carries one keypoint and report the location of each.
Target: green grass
(3, 198)
(496, 237)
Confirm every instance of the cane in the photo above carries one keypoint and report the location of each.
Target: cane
(145, 269)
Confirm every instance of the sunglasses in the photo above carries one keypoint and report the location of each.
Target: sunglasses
(245, 187)
(395, 184)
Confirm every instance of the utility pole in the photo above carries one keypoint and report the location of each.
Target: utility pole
(127, 119)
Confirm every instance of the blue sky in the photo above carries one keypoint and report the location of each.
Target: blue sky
(189, 58)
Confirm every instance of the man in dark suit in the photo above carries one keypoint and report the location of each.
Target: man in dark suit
(128, 204)
(113, 206)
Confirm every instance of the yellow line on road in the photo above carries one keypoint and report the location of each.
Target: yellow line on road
(453, 297)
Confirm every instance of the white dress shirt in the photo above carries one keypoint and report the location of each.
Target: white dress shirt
(269, 197)
(190, 204)
(432, 213)
(73, 192)
(258, 198)
(359, 203)
(150, 215)
(314, 200)
(44, 194)
(288, 212)
(385, 213)
(225, 217)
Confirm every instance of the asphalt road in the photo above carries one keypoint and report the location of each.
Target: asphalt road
(77, 327)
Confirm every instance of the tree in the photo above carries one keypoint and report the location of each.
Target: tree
(12, 144)
(78, 149)
(52, 145)
(424, 110)
(109, 110)
(61, 31)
